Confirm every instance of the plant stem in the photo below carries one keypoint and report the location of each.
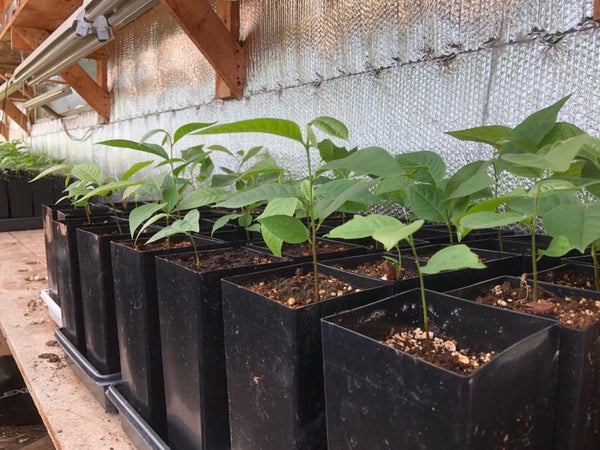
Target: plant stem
(596, 270)
(500, 242)
(312, 241)
(112, 205)
(423, 299)
(399, 260)
(196, 254)
(533, 230)
(449, 227)
(86, 208)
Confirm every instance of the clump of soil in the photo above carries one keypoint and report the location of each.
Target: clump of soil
(297, 250)
(223, 259)
(298, 290)
(571, 311)
(445, 352)
(567, 277)
(383, 269)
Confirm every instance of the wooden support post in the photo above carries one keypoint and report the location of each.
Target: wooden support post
(4, 130)
(229, 13)
(16, 115)
(95, 95)
(596, 9)
(212, 37)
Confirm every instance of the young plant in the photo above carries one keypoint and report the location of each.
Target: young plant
(290, 204)
(389, 231)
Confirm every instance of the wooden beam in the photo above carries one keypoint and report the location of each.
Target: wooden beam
(4, 130)
(220, 47)
(596, 9)
(23, 38)
(95, 96)
(229, 13)
(16, 115)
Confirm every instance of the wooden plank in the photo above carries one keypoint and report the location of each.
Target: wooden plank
(72, 416)
(16, 115)
(4, 130)
(26, 38)
(89, 90)
(213, 39)
(229, 13)
(596, 9)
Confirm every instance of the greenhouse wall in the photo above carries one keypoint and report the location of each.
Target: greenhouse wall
(398, 72)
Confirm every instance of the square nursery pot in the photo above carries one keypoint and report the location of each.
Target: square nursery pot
(298, 253)
(68, 281)
(577, 420)
(381, 397)
(20, 197)
(274, 361)
(136, 306)
(4, 208)
(43, 194)
(193, 352)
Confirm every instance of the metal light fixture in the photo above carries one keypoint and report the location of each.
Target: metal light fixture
(47, 97)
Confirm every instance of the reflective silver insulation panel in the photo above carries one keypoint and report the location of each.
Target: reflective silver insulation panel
(398, 73)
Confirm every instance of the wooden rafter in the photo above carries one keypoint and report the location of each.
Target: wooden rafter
(596, 9)
(94, 94)
(213, 38)
(16, 115)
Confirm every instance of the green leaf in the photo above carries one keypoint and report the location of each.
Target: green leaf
(267, 165)
(278, 127)
(51, 170)
(223, 220)
(330, 152)
(124, 143)
(273, 242)
(202, 197)
(426, 201)
(327, 206)
(579, 223)
(452, 258)
(390, 236)
(476, 183)
(538, 124)
(486, 219)
(427, 166)
(89, 172)
(363, 226)
(152, 220)
(261, 194)
(561, 131)
(142, 213)
(109, 188)
(559, 246)
(189, 128)
(189, 224)
(135, 169)
(331, 126)
(220, 180)
(492, 135)
(251, 154)
(281, 206)
(288, 229)
(368, 161)
(466, 173)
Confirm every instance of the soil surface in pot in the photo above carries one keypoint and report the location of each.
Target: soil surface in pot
(222, 259)
(298, 290)
(384, 270)
(160, 245)
(568, 277)
(322, 247)
(445, 352)
(574, 312)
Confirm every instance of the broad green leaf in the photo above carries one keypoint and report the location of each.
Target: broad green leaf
(202, 197)
(331, 126)
(109, 188)
(328, 205)
(545, 203)
(281, 206)
(142, 213)
(222, 221)
(189, 224)
(330, 152)
(559, 246)
(273, 242)
(51, 170)
(135, 169)
(390, 236)
(452, 258)
(131, 190)
(476, 183)
(288, 229)
(363, 226)
(189, 128)
(170, 197)
(220, 180)
(394, 183)
(488, 219)
(492, 135)
(279, 127)
(151, 221)
(465, 173)
(261, 194)
(579, 223)
(493, 203)
(90, 172)
(429, 166)
(151, 133)
(251, 154)
(267, 165)
(561, 131)
(426, 201)
(124, 143)
(367, 161)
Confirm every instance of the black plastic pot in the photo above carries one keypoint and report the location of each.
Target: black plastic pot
(20, 197)
(93, 380)
(350, 250)
(97, 295)
(42, 194)
(4, 206)
(577, 421)
(67, 276)
(380, 397)
(142, 436)
(191, 328)
(48, 215)
(273, 360)
(136, 306)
